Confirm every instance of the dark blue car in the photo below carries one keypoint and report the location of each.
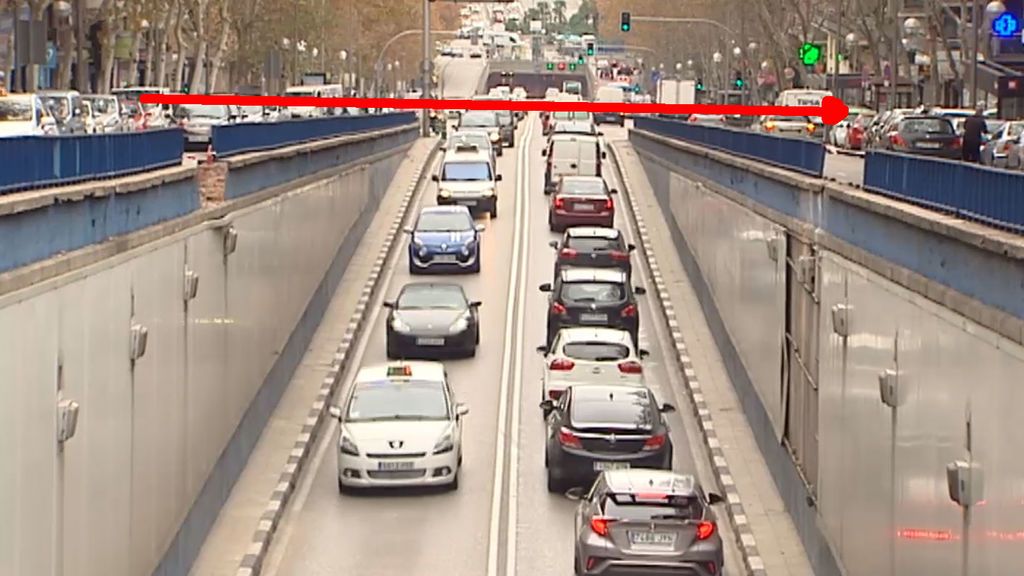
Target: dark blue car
(444, 239)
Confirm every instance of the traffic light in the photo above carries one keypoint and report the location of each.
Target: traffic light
(700, 84)
(572, 66)
(590, 48)
(551, 65)
(810, 54)
(624, 22)
(561, 65)
(738, 82)
(580, 59)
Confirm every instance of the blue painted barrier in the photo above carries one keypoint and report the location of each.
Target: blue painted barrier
(239, 138)
(40, 161)
(987, 195)
(802, 155)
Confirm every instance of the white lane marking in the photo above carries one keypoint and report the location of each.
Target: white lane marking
(279, 544)
(523, 180)
(494, 533)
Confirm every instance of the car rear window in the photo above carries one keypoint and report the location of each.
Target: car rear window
(576, 115)
(682, 507)
(590, 244)
(466, 171)
(583, 188)
(624, 407)
(926, 126)
(596, 351)
(592, 292)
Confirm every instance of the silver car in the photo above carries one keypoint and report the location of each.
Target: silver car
(640, 521)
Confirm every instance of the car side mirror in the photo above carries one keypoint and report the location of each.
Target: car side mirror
(543, 151)
(335, 412)
(553, 244)
(388, 304)
(640, 290)
(461, 409)
(435, 178)
(542, 349)
(643, 353)
(480, 227)
(600, 133)
(475, 304)
(547, 405)
(614, 191)
(667, 408)
(604, 155)
(576, 493)
(631, 247)
(545, 287)
(548, 192)
(714, 498)
(497, 178)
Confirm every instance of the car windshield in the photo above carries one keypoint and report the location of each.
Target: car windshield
(504, 117)
(466, 171)
(102, 105)
(678, 507)
(479, 120)
(12, 110)
(587, 152)
(57, 105)
(592, 244)
(478, 139)
(592, 292)
(397, 400)
(926, 126)
(595, 405)
(596, 351)
(214, 111)
(575, 187)
(422, 297)
(444, 222)
(576, 115)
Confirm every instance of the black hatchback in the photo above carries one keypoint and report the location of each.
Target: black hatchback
(926, 136)
(593, 428)
(592, 297)
(593, 247)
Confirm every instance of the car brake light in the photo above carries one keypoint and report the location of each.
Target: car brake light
(622, 256)
(559, 203)
(1005, 148)
(693, 117)
(567, 253)
(957, 142)
(896, 139)
(608, 204)
(567, 438)
(631, 367)
(654, 442)
(705, 530)
(557, 308)
(599, 524)
(562, 364)
(629, 311)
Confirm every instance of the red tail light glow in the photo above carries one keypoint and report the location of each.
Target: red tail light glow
(897, 140)
(693, 117)
(629, 311)
(705, 530)
(608, 204)
(567, 253)
(554, 394)
(921, 534)
(958, 142)
(559, 203)
(631, 367)
(621, 256)
(655, 442)
(557, 308)
(561, 365)
(567, 438)
(599, 524)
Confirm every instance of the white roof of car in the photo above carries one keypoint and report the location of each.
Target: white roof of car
(572, 137)
(593, 275)
(593, 232)
(591, 334)
(467, 153)
(417, 370)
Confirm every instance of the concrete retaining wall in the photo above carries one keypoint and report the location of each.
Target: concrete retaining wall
(161, 440)
(864, 483)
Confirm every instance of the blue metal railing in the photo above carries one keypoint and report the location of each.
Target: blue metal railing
(972, 192)
(28, 162)
(803, 155)
(239, 138)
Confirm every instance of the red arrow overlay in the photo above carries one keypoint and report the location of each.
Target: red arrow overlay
(832, 110)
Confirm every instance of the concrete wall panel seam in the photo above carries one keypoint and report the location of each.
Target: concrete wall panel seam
(749, 553)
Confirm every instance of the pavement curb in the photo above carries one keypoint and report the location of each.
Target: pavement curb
(752, 560)
(259, 546)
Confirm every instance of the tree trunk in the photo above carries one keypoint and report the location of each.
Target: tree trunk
(199, 56)
(66, 55)
(222, 46)
(180, 47)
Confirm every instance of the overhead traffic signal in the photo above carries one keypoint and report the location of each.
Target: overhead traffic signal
(551, 65)
(624, 22)
(590, 48)
(738, 82)
(561, 65)
(700, 84)
(810, 54)
(572, 66)
(580, 59)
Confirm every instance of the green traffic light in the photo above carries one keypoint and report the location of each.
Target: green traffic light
(551, 65)
(572, 65)
(625, 27)
(810, 54)
(580, 60)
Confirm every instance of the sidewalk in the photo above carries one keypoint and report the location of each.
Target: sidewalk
(232, 534)
(776, 538)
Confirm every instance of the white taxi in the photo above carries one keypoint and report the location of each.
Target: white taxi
(400, 426)
(590, 356)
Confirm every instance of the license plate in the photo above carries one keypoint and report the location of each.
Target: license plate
(648, 538)
(445, 258)
(430, 341)
(467, 202)
(395, 465)
(929, 145)
(602, 466)
(593, 317)
(584, 207)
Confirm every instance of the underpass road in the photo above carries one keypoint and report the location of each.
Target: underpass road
(845, 168)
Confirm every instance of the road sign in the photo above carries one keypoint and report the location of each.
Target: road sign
(810, 54)
(1006, 25)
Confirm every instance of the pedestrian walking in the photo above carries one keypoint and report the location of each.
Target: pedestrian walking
(974, 128)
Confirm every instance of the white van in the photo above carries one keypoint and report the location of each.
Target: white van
(318, 91)
(571, 155)
(467, 178)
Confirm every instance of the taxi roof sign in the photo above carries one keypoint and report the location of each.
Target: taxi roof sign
(400, 371)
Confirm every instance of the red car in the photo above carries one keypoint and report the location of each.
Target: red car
(581, 201)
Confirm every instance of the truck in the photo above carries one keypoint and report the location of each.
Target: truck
(677, 92)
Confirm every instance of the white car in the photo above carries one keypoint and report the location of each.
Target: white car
(400, 426)
(590, 356)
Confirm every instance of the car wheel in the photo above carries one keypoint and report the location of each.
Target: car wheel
(494, 209)
(412, 268)
(577, 566)
(342, 489)
(555, 485)
(393, 351)
(471, 351)
(499, 151)
(475, 268)
(454, 486)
